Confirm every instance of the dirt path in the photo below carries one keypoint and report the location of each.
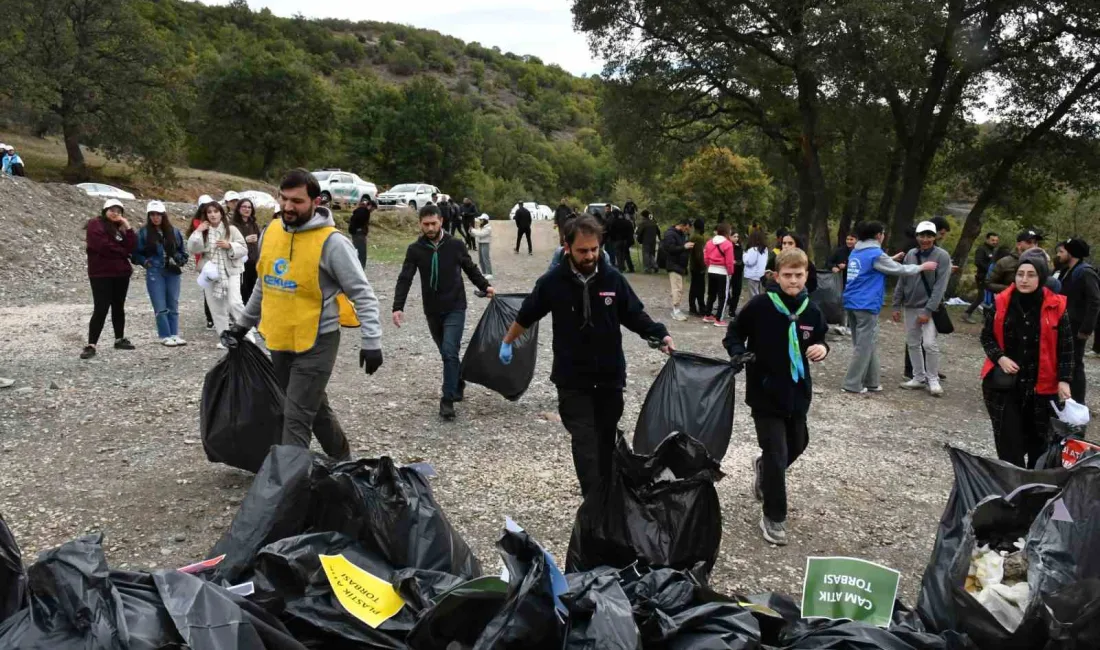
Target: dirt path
(114, 447)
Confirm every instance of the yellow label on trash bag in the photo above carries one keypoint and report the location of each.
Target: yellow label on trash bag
(366, 597)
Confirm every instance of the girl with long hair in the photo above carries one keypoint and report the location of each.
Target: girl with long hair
(244, 219)
(110, 239)
(222, 245)
(196, 221)
(161, 252)
(756, 261)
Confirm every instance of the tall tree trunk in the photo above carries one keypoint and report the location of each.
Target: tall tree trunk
(76, 168)
(805, 198)
(818, 228)
(890, 187)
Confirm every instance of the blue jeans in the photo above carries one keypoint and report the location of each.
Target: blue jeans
(446, 329)
(164, 293)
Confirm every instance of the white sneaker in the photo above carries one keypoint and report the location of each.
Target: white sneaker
(179, 341)
(489, 277)
(934, 388)
(168, 341)
(678, 315)
(914, 384)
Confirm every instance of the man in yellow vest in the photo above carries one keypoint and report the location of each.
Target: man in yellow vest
(309, 280)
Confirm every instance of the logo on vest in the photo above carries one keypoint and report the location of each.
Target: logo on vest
(276, 282)
(854, 268)
(281, 267)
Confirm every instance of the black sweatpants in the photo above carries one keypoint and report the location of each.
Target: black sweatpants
(717, 290)
(304, 377)
(591, 416)
(108, 294)
(735, 291)
(697, 293)
(520, 234)
(1020, 424)
(782, 441)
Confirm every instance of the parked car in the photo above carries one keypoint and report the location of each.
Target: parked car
(105, 191)
(407, 195)
(343, 188)
(262, 200)
(537, 210)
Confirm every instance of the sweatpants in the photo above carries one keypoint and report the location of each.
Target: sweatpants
(649, 258)
(922, 345)
(718, 288)
(697, 293)
(591, 416)
(782, 441)
(227, 308)
(735, 292)
(360, 242)
(1020, 423)
(755, 287)
(676, 286)
(304, 377)
(108, 294)
(863, 370)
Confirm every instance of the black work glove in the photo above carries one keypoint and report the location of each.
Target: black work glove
(232, 337)
(739, 361)
(370, 360)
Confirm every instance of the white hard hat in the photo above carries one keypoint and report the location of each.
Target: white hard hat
(204, 199)
(231, 196)
(155, 206)
(927, 226)
(113, 203)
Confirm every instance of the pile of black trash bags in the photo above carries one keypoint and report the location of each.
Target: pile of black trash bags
(639, 558)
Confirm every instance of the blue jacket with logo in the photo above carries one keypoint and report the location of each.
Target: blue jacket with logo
(866, 286)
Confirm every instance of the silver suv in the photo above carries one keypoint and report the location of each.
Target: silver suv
(343, 188)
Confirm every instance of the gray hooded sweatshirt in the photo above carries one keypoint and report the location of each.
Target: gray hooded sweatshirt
(340, 272)
(910, 291)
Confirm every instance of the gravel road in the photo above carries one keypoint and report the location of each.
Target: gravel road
(112, 444)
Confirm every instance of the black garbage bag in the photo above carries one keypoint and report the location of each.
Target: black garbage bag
(241, 414)
(389, 510)
(277, 506)
(975, 479)
(1072, 616)
(829, 298)
(13, 577)
(481, 363)
(674, 611)
(528, 619)
(1067, 446)
(600, 614)
(459, 615)
(661, 510)
(816, 634)
(693, 394)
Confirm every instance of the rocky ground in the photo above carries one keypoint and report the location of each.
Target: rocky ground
(112, 444)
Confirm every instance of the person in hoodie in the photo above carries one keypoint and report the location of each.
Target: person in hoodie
(483, 232)
(469, 214)
(676, 250)
(160, 251)
(359, 227)
(13, 164)
(756, 261)
(784, 332)
(311, 284)
(109, 242)
(649, 233)
(222, 245)
(867, 269)
(916, 297)
(441, 261)
(718, 256)
(1081, 287)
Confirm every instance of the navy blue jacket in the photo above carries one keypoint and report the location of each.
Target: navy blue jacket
(156, 261)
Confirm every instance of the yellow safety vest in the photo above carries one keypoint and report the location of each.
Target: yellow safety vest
(290, 268)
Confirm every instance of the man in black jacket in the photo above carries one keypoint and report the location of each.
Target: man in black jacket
(1081, 287)
(983, 257)
(838, 261)
(469, 213)
(441, 260)
(590, 303)
(784, 332)
(677, 250)
(648, 234)
(523, 226)
(621, 234)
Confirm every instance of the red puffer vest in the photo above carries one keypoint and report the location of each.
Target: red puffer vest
(1054, 306)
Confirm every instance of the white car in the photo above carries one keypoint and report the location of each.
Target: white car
(262, 200)
(343, 188)
(407, 195)
(105, 191)
(537, 210)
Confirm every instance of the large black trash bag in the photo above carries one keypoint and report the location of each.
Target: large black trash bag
(600, 614)
(389, 510)
(481, 363)
(674, 611)
(818, 634)
(1072, 616)
(528, 618)
(242, 408)
(13, 577)
(829, 298)
(975, 479)
(457, 616)
(693, 394)
(643, 514)
(276, 506)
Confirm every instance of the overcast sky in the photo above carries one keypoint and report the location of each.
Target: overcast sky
(543, 28)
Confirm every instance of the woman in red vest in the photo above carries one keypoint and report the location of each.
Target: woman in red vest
(1028, 340)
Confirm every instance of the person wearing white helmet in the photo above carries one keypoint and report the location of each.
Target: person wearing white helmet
(196, 221)
(221, 244)
(110, 240)
(230, 200)
(160, 251)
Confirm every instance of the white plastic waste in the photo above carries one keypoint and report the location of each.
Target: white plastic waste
(1007, 604)
(987, 567)
(1073, 414)
(208, 275)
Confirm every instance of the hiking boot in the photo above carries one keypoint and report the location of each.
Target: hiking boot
(708, 319)
(88, 352)
(123, 344)
(446, 409)
(934, 388)
(775, 532)
(757, 480)
(913, 384)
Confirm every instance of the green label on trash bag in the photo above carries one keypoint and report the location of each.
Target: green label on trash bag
(849, 588)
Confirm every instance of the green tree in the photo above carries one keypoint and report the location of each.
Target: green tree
(97, 70)
(716, 179)
(431, 136)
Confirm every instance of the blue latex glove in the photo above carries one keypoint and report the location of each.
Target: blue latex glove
(506, 353)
